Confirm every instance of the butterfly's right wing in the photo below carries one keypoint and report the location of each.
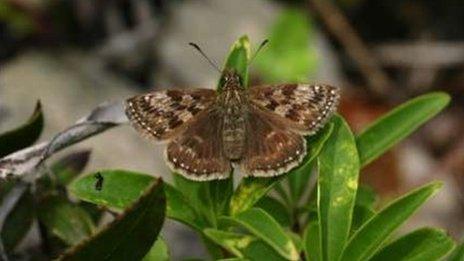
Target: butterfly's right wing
(163, 114)
(272, 148)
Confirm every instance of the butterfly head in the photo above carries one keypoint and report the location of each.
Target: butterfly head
(231, 80)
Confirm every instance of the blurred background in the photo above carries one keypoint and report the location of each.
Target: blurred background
(74, 55)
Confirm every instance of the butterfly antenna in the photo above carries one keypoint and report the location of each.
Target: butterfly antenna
(194, 45)
(264, 43)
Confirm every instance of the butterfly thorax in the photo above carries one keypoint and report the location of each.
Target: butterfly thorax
(233, 106)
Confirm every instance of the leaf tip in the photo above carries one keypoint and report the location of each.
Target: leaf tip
(435, 186)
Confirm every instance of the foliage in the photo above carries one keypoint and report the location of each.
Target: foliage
(282, 218)
(24, 135)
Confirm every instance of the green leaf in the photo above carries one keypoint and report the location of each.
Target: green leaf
(65, 220)
(419, 245)
(158, 252)
(391, 128)
(122, 188)
(298, 178)
(245, 247)
(290, 55)
(251, 190)
(23, 136)
(370, 237)
(458, 253)
(18, 222)
(130, 236)
(276, 209)
(237, 61)
(338, 181)
(312, 242)
(263, 226)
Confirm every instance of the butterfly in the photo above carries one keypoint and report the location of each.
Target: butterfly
(260, 129)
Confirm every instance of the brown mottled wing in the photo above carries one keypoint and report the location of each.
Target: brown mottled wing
(198, 153)
(305, 107)
(161, 115)
(271, 149)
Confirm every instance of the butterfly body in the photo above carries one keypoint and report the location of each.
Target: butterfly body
(260, 128)
(232, 102)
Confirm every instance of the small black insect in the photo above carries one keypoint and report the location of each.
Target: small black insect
(99, 182)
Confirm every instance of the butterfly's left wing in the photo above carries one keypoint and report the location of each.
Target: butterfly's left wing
(304, 107)
(162, 115)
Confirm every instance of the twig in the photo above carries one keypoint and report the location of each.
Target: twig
(338, 25)
(421, 54)
(27, 160)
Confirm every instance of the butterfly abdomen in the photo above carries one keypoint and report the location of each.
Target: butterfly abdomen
(233, 136)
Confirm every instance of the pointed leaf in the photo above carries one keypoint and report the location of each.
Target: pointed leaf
(388, 130)
(24, 135)
(263, 226)
(338, 181)
(237, 61)
(420, 245)
(131, 235)
(370, 237)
